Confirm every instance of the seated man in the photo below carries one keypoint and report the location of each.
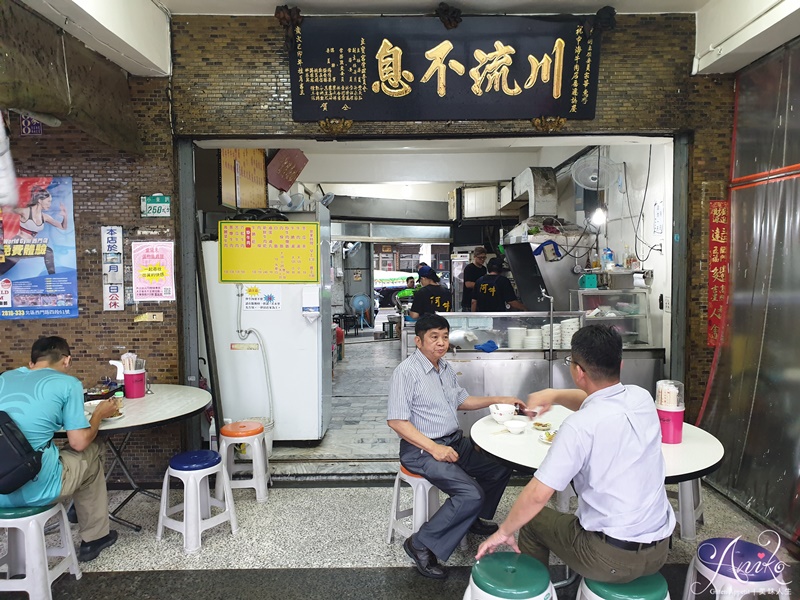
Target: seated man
(424, 398)
(610, 449)
(42, 399)
(494, 290)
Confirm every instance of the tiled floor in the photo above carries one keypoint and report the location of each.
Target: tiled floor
(317, 542)
(322, 532)
(358, 441)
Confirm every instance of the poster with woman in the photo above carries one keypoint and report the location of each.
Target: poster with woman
(38, 273)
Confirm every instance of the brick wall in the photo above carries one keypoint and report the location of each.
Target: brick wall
(231, 78)
(106, 187)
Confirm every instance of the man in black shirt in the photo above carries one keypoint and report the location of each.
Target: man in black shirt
(431, 297)
(472, 272)
(494, 291)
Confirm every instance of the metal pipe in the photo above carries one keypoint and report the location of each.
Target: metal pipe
(550, 369)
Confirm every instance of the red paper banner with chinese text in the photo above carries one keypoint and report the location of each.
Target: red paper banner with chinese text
(718, 261)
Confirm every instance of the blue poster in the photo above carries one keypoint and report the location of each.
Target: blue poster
(38, 265)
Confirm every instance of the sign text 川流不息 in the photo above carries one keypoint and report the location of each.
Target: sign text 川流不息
(413, 69)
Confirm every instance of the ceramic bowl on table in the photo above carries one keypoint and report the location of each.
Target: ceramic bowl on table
(515, 426)
(502, 412)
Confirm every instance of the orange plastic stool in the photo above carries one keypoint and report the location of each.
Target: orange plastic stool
(242, 429)
(252, 434)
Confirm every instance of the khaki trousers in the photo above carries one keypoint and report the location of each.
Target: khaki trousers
(585, 551)
(83, 479)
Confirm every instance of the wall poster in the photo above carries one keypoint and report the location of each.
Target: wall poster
(153, 271)
(38, 266)
(113, 285)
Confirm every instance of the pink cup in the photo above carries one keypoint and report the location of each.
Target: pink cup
(671, 420)
(135, 383)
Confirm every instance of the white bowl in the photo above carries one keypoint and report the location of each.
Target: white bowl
(516, 426)
(502, 412)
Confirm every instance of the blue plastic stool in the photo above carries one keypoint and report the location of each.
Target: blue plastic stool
(194, 468)
(509, 575)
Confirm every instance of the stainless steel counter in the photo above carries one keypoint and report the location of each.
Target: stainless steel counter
(521, 372)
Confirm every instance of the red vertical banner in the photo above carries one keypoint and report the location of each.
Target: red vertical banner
(718, 261)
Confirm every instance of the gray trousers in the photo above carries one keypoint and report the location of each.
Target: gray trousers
(475, 484)
(585, 552)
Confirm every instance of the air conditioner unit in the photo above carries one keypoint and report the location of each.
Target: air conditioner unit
(480, 202)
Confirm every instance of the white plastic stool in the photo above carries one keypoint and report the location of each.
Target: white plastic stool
(509, 575)
(27, 551)
(252, 434)
(734, 568)
(194, 468)
(425, 502)
(649, 587)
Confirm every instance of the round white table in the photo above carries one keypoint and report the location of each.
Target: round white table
(163, 404)
(698, 454)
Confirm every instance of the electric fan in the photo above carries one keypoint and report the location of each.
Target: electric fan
(594, 172)
(296, 202)
(351, 248)
(360, 304)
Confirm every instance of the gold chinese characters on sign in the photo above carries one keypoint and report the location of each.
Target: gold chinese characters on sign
(387, 69)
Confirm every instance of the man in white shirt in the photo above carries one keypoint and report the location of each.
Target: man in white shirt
(610, 449)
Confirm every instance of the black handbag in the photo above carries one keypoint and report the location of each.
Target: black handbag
(21, 463)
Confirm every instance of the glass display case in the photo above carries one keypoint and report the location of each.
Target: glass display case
(628, 311)
(511, 331)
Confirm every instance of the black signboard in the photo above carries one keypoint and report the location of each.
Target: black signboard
(413, 69)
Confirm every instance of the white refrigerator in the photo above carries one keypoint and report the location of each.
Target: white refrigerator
(271, 343)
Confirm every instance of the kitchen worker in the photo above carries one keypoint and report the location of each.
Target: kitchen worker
(610, 449)
(472, 272)
(424, 397)
(494, 291)
(42, 399)
(431, 297)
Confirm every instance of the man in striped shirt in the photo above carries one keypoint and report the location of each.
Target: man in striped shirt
(424, 398)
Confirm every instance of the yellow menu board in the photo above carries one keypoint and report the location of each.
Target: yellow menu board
(268, 252)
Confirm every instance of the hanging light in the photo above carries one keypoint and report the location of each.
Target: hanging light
(600, 216)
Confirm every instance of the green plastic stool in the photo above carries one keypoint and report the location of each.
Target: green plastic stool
(509, 575)
(649, 587)
(28, 553)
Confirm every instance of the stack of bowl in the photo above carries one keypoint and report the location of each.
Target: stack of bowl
(568, 329)
(516, 335)
(546, 336)
(533, 340)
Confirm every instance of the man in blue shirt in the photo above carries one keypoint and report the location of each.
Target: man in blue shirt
(42, 399)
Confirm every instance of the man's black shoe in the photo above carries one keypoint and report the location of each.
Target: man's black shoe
(481, 527)
(89, 550)
(72, 514)
(425, 560)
